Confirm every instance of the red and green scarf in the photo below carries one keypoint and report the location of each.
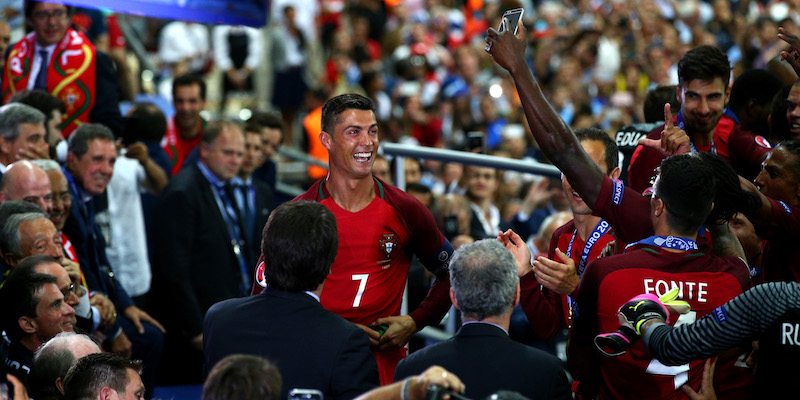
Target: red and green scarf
(70, 75)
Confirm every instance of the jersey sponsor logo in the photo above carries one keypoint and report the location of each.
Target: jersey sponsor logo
(616, 195)
(719, 314)
(260, 279)
(785, 207)
(763, 142)
(629, 139)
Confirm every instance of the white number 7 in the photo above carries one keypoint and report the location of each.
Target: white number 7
(361, 286)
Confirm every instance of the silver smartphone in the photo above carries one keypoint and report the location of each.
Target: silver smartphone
(513, 17)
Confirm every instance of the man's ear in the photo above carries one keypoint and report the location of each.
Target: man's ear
(106, 393)
(615, 173)
(60, 385)
(658, 207)
(27, 324)
(516, 296)
(10, 259)
(727, 94)
(325, 139)
(453, 299)
(678, 94)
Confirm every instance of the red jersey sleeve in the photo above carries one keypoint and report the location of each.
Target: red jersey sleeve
(747, 151)
(644, 162)
(542, 306)
(626, 210)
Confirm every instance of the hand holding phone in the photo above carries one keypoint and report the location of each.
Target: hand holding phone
(513, 17)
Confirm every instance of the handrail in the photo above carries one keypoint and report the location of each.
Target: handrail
(463, 157)
(301, 156)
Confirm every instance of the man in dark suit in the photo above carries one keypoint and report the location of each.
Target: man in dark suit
(312, 347)
(201, 253)
(485, 288)
(90, 165)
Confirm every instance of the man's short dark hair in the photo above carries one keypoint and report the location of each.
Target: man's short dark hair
(686, 184)
(91, 373)
(341, 103)
(756, 84)
(189, 80)
(705, 63)
(29, 4)
(299, 245)
(243, 377)
(80, 138)
(729, 197)
(793, 148)
(265, 119)
(610, 146)
(19, 299)
(654, 102)
(145, 121)
(40, 100)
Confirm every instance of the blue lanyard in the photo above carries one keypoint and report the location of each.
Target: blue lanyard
(231, 222)
(669, 242)
(691, 142)
(599, 230)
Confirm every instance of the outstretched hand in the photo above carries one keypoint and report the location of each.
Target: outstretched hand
(522, 255)
(673, 139)
(506, 49)
(792, 56)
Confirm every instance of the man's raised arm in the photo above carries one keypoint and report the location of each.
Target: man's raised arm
(553, 135)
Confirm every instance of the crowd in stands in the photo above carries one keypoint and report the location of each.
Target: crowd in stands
(141, 173)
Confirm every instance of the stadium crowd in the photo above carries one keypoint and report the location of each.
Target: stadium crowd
(146, 203)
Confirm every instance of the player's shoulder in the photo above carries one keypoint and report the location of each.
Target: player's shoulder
(399, 199)
(312, 194)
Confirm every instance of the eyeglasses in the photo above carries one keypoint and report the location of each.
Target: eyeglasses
(68, 291)
(43, 16)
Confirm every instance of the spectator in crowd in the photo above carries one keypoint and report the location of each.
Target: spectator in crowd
(485, 288)
(299, 245)
(24, 180)
(270, 126)
(52, 361)
(254, 199)
(34, 310)
(237, 52)
(22, 134)
(481, 190)
(200, 246)
(244, 377)
(185, 48)
(185, 129)
(751, 100)
(104, 376)
(5, 41)
(350, 135)
(53, 109)
(89, 168)
(381, 169)
(289, 54)
(91, 92)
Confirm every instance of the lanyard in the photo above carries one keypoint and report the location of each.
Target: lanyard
(231, 222)
(669, 242)
(691, 142)
(599, 230)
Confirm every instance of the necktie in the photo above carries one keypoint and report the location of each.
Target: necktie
(41, 77)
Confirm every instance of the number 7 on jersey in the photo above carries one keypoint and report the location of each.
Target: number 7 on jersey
(361, 286)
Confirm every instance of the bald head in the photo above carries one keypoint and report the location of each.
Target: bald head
(52, 361)
(28, 182)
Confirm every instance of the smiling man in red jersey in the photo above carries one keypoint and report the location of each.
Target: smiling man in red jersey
(380, 228)
(703, 91)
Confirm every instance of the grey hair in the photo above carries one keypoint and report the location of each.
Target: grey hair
(484, 279)
(47, 165)
(79, 139)
(13, 114)
(52, 361)
(10, 238)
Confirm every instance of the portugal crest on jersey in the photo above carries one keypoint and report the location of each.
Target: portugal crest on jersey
(388, 245)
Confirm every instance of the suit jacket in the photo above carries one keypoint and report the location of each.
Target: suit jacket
(195, 264)
(264, 205)
(312, 347)
(487, 360)
(90, 248)
(106, 95)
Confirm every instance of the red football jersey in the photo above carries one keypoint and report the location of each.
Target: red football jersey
(369, 274)
(706, 282)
